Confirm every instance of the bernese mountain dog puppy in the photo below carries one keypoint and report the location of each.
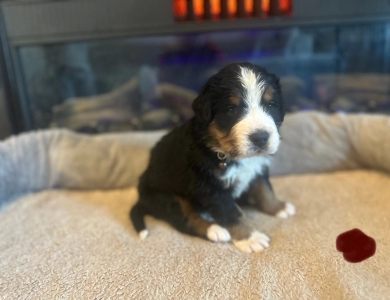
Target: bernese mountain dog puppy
(200, 173)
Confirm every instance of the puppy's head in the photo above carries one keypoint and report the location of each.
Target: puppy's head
(241, 109)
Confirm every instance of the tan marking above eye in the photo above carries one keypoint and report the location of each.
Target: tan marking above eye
(268, 94)
(235, 100)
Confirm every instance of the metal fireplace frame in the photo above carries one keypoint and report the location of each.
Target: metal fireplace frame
(40, 22)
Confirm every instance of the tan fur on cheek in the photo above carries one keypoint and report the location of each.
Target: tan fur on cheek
(221, 142)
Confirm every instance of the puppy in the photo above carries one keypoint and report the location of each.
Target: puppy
(202, 172)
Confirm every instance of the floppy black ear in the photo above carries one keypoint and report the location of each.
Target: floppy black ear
(280, 94)
(202, 105)
(279, 99)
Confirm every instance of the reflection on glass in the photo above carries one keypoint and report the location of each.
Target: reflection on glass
(149, 83)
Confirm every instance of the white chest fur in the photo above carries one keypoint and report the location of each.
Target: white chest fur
(241, 174)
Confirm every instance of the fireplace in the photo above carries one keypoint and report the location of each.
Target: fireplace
(106, 66)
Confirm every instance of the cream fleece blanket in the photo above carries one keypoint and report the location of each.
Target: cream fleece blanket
(62, 244)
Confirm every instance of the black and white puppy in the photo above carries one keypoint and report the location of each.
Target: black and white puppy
(200, 173)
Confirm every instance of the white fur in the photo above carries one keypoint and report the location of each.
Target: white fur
(287, 211)
(255, 118)
(143, 234)
(241, 175)
(217, 234)
(207, 217)
(255, 243)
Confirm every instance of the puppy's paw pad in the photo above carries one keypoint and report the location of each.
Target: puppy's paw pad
(257, 242)
(217, 234)
(143, 234)
(287, 211)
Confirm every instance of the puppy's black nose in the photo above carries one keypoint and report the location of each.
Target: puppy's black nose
(259, 138)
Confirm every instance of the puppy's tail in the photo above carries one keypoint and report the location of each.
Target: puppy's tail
(137, 215)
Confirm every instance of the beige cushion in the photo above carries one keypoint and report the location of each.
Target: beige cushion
(80, 245)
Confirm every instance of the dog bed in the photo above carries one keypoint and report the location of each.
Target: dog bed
(65, 232)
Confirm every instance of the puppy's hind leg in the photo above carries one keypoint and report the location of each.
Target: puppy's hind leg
(160, 206)
(201, 227)
(179, 213)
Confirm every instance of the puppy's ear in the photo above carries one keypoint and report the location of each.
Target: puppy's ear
(279, 98)
(202, 105)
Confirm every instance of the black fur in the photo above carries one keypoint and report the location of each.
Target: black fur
(182, 164)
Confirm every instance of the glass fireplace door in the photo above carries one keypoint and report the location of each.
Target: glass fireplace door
(147, 83)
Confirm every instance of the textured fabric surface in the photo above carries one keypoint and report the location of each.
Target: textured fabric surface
(62, 159)
(311, 142)
(80, 245)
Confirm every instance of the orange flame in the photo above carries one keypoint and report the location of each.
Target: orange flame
(180, 8)
(285, 6)
(199, 8)
(249, 6)
(232, 6)
(215, 7)
(265, 6)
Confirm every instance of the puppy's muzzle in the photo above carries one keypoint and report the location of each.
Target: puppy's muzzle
(259, 138)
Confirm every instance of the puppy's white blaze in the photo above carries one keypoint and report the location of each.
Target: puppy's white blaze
(252, 84)
(255, 118)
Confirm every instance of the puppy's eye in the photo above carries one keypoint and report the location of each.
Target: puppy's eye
(232, 109)
(271, 105)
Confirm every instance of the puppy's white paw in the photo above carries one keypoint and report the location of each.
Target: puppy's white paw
(217, 234)
(143, 234)
(255, 243)
(287, 211)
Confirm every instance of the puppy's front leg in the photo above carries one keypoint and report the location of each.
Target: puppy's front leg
(228, 215)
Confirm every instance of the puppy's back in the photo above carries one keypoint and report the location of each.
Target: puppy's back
(168, 169)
